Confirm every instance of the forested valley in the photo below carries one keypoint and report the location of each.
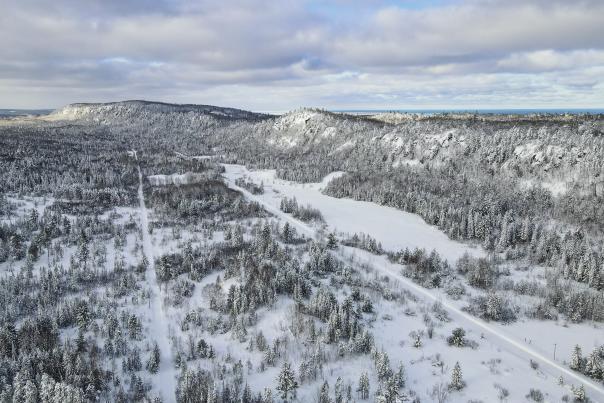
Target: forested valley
(152, 252)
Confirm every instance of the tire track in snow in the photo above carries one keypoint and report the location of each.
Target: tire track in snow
(509, 343)
(165, 378)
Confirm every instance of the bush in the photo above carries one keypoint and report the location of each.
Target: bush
(457, 337)
(535, 395)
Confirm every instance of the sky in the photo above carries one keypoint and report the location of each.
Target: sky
(278, 55)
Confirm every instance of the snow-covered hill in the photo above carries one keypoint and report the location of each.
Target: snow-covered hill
(136, 109)
(535, 149)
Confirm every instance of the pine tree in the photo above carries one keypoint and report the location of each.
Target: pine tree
(20, 386)
(286, 233)
(83, 316)
(579, 393)
(83, 251)
(400, 376)
(332, 242)
(154, 359)
(457, 338)
(246, 396)
(457, 382)
(339, 391)
(212, 394)
(363, 388)
(286, 382)
(47, 388)
(16, 247)
(382, 365)
(32, 220)
(417, 343)
(265, 236)
(267, 396)
(593, 366)
(389, 392)
(30, 393)
(324, 393)
(80, 341)
(576, 361)
(493, 310)
(135, 327)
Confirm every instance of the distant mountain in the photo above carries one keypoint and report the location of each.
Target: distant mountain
(23, 112)
(553, 150)
(138, 108)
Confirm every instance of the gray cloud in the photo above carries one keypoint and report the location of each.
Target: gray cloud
(273, 55)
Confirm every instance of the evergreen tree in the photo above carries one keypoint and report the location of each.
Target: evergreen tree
(417, 343)
(332, 241)
(154, 359)
(579, 393)
(576, 361)
(339, 391)
(593, 365)
(392, 390)
(494, 307)
(457, 382)
(382, 365)
(32, 220)
(267, 396)
(324, 393)
(246, 396)
(363, 388)
(286, 382)
(212, 394)
(286, 233)
(457, 338)
(83, 251)
(400, 376)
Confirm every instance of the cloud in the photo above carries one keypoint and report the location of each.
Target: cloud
(551, 60)
(470, 32)
(266, 54)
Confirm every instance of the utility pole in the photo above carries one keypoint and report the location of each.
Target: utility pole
(555, 351)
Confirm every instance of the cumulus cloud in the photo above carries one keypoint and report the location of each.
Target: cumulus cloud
(275, 55)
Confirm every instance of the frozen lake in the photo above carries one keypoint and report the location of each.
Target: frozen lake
(395, 229)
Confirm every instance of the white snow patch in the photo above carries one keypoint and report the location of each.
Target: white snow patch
(346, 145)
(175, 179)
(557, 188)
(395, 229)
(405, 161)
(329, 132)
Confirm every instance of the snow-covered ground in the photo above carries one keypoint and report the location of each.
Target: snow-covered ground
(395, 229)
(24, 205)
(174, 179)
(504, 354)
(165, 378)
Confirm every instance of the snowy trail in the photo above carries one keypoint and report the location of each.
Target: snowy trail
(165, 378)
(508, 343)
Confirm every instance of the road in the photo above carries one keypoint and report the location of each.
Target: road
(165, 379)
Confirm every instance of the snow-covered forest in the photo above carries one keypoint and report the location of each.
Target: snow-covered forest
(186, 253)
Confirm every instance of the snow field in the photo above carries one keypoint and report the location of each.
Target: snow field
(516, 354)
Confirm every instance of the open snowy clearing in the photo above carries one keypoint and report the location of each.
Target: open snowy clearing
(395, 229)
(505, 343)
